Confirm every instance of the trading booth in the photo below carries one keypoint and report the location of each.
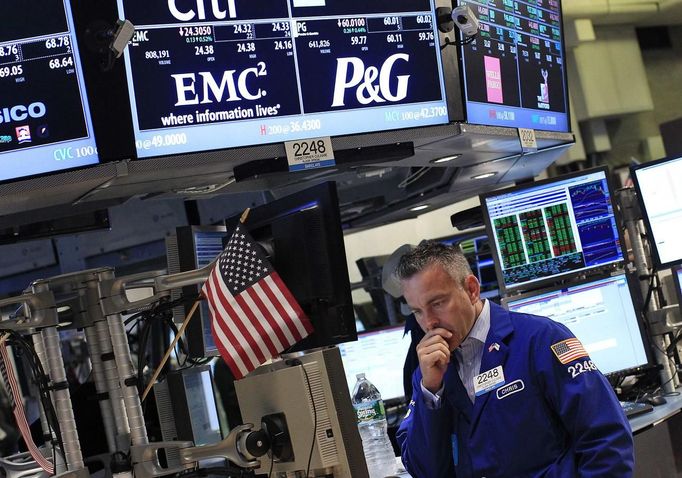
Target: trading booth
(320, 118)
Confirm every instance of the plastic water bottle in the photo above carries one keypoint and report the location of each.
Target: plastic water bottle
(369, 408)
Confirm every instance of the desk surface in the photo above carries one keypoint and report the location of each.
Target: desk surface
(660, 413)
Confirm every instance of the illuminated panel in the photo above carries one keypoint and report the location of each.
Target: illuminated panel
(514, 70)
(211, 75)
(553, 228)
(600, 313)
(658, 186)
(45, 123)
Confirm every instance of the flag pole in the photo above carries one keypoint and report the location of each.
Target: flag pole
(242, 220)
(245, 214)
(170, 349)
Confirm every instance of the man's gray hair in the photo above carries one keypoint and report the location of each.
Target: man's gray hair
(432, 252)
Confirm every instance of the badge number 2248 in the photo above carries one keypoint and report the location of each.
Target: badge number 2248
(581, 367)
(309, 153)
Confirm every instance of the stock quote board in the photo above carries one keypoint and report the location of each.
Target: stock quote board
(211, 75)
(45, 123)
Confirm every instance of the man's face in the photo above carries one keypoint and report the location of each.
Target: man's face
(437, 300)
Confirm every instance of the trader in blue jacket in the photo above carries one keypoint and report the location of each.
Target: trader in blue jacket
(497, 393)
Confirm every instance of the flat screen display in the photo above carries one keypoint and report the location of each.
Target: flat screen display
(207, 246)
(210, 75)
(551, 228)
(476, 248)
(658, 186)
(514, 71)
(380, 355)
(600, 314)
(45, 123)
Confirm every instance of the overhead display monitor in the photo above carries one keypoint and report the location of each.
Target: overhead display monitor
(45, 123)
(380, 355)
(515, 70)
(546, 230)
(658, 187)
(601, 314)
(210, 75)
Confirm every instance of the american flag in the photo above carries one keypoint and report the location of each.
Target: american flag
(569, 350)
(254, 317)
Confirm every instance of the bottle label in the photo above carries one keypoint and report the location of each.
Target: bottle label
(370, 411)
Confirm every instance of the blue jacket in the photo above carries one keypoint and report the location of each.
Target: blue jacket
(549, 419)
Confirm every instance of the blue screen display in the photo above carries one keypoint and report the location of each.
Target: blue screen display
(207, 246)
(211, 75)
(45, 123)
(548, 230)
(602, 316)
(515, 70)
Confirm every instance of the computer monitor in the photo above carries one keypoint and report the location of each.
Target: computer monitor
(515, 69)
(301, 236)
(212, 75)
(380, 355)
(660, 196)
(476, 248)
(195, 247)
(45, 122)
(549, 229)
(308, 394)
(186, 408)
(602, 315)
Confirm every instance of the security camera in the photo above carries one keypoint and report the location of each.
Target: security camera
(465, 20)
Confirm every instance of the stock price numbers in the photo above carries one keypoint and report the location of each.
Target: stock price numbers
(282, 27)
(8, 50)
(9, 71)
(426, 36)
(64, 62)
(248, 47)
(283, 45)
(358, 40)
(197, 31)
(394, 38)
(57, 42)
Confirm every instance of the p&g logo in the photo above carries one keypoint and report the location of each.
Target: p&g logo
(364, 79)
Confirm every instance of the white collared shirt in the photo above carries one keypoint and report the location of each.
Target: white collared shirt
(469, 355)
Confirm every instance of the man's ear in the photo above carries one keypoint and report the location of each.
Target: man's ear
(473, 288)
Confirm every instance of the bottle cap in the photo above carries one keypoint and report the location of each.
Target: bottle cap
(360, 376)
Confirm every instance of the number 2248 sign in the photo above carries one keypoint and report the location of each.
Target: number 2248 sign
(310, 153)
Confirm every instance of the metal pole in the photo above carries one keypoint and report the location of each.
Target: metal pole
(62, 399)
(632, 218)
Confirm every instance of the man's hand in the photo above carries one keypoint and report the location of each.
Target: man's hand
(434, 356)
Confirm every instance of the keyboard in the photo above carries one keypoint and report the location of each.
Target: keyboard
(632, 409)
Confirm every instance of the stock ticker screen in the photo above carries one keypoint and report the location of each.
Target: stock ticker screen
(208, 75)
(554, 228)
(514, 70)
(45, 122)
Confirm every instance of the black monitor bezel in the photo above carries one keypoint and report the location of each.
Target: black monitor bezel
(326, 195)
(637, 304)
(645, 215)
(504, 289)
(196, 339)
(473, 234)
(462, 73)
(678, 284)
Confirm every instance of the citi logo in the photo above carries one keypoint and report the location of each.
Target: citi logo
(352, 73)
(20, 112)
(188, 15)
(211, 91)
